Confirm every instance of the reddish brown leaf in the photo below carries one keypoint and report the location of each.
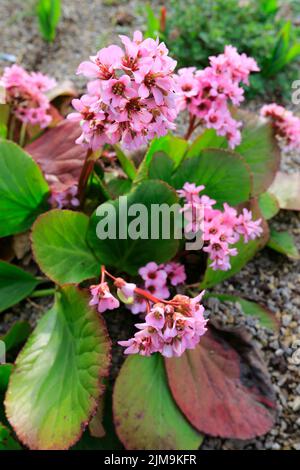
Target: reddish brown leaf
(57, 154)
(223, 387)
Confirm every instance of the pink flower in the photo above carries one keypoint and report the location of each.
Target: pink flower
(139, 305)
(191, 193)
(208, 93)
(156, 317)
(220, 229)
(249, 228)
(25, 93)
(176, 273)
(157, 289)
(66, 199)
(169, 329)
(115, 91)
(103, 64)
(127, 292)
(152, 274)
(132, 99)
(286, 125)
(102, 297)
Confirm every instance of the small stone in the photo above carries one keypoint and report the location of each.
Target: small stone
(276, 446)
(296, 404)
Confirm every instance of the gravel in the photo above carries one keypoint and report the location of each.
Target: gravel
(270, 279)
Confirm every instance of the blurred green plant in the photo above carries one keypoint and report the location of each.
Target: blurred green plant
(153, 23)
(197, 29)
(48, 13)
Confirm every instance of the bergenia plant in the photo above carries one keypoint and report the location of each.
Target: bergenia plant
(131, 224)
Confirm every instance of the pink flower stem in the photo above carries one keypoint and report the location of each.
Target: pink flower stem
(141, 292)
(191, 127)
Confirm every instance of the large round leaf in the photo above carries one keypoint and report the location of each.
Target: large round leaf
(260, 150)
(146, 416)
(121, 249)
(222, 386)
(55, 386)
(23, 190)
(224, 174)
(15, 285)
(60, 248)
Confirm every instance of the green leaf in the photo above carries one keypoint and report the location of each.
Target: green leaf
(121, 250)
(60, 248)
(174, 147)
(48, 12)
(162, 167)
(269, 205)
(23, 190)
(118, 187)
(153, 23)
(126, 163)
(284, 243)
(269, 7)
(15, 285)
(209, 139)
(224, 174)
(17, 335)
(5, 372)
(56, 383)
(7, 442)
(279, 58)
(265, 316)
(260, 150)
(146, 416)
(110, 440)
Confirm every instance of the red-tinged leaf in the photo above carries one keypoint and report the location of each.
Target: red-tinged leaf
(286, 188)
(59, 157)
(57, 381)
(223, 387)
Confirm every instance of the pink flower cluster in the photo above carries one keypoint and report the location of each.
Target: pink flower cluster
(220, 229)
(169, 328)
(207, 93)
(66, 198)
(25, 93)
(286, 125)
(131, 98)
(156, 278)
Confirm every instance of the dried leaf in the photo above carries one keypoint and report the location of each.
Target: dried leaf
(286, 188)
(58, 155)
